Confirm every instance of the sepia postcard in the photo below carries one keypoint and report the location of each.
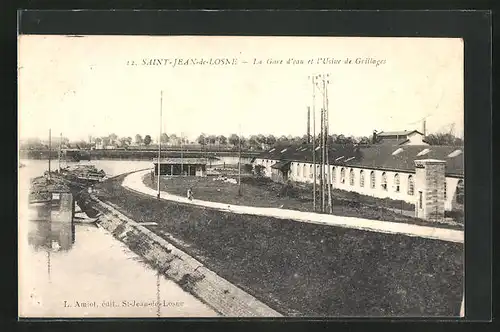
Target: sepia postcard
(218, 176)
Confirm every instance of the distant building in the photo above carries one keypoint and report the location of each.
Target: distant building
(99, 145)
(411, 173)
(406, 137)
(181, 166)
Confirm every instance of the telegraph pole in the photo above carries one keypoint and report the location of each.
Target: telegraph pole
(313, 148)
(239, 163)
(50, 148)
(182, 160)
(308, 125)
(325, 84)
(322, 163)
(159, 146)
(60, 147)
(314, 141)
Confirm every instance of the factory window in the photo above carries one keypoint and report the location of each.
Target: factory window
(334, 175)
(342, 175)
(384, 181)
(361, 178)
(420, 199)
(372, 179)
(310, 171)
(411, 185)
(304, 170)
(460, 192)
(351, 177)
(396, 182)
(297, 168)
(445, 189)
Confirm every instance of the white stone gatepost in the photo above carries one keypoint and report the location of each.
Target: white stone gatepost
(429, 189)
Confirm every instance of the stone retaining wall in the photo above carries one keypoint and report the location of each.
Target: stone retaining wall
(225, 298)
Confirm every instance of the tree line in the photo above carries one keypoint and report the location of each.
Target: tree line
(254, 142)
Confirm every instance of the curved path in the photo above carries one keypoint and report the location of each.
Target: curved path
(134, 181)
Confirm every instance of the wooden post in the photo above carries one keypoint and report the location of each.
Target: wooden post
(239, 163)
(313, 144)
(326, 143)
(59, 154)
(50, 148)
(182, 160)
(308, 125)
(159, 147)
(322, 163)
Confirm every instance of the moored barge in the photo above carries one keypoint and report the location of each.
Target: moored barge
(51, 199)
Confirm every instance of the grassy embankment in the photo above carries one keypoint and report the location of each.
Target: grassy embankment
(263, 192)
(305, 269)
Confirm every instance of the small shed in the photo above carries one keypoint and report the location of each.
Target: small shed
(181, 166)
(280, 170)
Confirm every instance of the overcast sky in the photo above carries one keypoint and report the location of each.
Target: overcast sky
(83, 86)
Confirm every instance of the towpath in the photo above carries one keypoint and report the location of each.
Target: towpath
(134, 181)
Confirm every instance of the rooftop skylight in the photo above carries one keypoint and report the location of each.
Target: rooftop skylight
(455, 153)
(283, 150)
(317, 148)
(397, 151)
(423, 152)
(349, 159)
(339, 158)
(272, 150)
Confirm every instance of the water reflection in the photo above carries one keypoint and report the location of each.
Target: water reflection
(57, 273)
(53, 236)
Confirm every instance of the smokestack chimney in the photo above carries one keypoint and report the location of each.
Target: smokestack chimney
(374, 138)
(308, 125)
(424, 129)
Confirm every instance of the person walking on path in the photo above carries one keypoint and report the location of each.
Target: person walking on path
(190, 194)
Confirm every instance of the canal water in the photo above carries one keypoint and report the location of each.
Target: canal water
(80, 270)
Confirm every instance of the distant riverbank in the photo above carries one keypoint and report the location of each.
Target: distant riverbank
(141, 154)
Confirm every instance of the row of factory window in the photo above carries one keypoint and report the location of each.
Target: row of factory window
(383, 184)
(396, 180)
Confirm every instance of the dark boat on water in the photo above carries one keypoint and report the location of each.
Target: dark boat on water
(83, 174)
(53, 196)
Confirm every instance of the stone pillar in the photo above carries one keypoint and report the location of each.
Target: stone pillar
(65, 210)
(429, 189)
